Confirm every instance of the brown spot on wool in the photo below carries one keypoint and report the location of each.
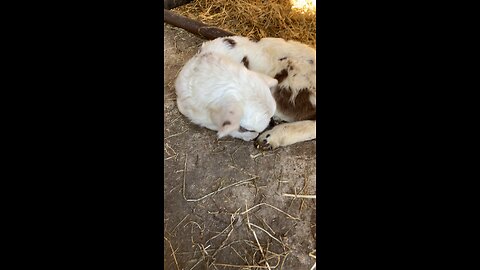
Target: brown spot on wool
(245, 61)
(300, 109)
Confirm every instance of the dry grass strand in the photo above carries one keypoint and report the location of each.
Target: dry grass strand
(255, 18)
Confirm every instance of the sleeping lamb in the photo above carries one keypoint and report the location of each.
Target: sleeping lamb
(220, 94)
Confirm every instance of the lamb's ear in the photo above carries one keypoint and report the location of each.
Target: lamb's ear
(271, 82)
(227, 128)
(227, 118)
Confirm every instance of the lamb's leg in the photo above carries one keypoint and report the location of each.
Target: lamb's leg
(286, 134)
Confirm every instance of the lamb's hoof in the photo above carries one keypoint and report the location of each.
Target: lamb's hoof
(263, 142)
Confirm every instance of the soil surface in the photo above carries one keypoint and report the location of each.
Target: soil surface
(225, 205)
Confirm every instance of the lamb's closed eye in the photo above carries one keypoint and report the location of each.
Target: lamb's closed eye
(242, 129)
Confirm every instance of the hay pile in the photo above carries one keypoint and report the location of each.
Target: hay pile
(288, 19)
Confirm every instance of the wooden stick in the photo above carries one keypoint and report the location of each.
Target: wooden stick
(195, 27)
(169, 4)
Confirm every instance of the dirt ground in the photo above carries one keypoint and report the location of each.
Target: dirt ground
(224, 205)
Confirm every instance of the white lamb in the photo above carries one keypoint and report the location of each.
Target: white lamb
(293, 64)
(220, 94)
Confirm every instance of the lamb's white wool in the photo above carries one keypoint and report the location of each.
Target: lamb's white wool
(264, 56)
(220, 94)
